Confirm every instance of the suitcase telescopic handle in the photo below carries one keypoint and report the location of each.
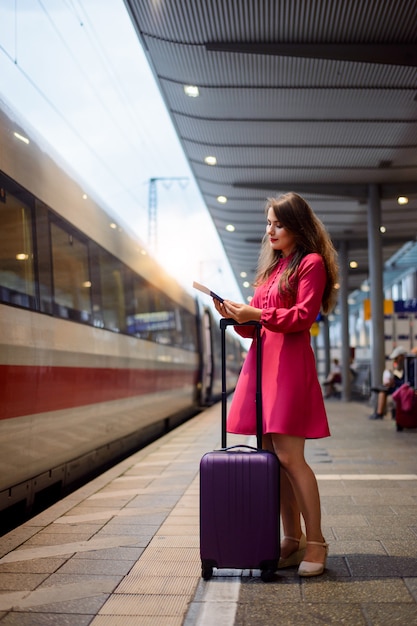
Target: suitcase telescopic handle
(224, 323)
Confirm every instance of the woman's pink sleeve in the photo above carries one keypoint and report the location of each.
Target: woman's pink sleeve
(312, 278)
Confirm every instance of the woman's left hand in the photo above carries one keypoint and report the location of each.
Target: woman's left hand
(239, 312)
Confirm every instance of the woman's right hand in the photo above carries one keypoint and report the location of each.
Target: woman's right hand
(220, 307)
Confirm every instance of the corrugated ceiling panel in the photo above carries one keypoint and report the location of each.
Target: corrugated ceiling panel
(286, 176)
(193, 64)
(314, 158)
(293, 133)
(278, 103)
(198, 21)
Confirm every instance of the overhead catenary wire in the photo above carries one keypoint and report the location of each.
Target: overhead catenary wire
(87, 77)
(107, 65)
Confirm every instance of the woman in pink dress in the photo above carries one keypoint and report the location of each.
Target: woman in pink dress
(296, 279)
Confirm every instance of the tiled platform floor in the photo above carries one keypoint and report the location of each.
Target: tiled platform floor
(124, 549)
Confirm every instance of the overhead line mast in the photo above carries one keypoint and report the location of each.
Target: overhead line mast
(153, 206)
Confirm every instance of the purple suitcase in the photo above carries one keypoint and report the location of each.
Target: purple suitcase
(239, 496)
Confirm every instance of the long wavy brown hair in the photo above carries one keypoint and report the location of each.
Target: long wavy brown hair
(296, 216)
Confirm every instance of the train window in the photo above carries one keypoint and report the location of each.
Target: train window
(156, 317)
(144, 295)
(17, 275)
(189, 331)
(112, 299)
(165, 320)
(153, 317)
(71, 278)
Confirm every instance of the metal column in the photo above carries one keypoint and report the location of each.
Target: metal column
(326, 341)
(344, 319)
(376, 280)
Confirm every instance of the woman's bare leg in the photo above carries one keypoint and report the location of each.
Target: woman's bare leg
(290, 512)
(305, 494)
(290, 515)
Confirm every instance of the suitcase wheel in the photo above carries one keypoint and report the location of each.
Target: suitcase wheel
(206, 571)
(267, 575)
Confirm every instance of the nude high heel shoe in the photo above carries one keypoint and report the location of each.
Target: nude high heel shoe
(308, 568)
(295, 557)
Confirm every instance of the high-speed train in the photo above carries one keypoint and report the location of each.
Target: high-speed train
(100, 349)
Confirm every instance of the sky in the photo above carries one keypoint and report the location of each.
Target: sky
(76, 72)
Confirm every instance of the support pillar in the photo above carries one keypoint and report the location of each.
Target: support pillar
(326, 341)
(376, 283)
(344, 319)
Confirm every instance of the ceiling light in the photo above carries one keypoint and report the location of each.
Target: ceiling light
(191, 91)
(210, 160)
(85, 196)
(22, 256)
(243, 274)
(353, 264)
(21, 138)
(113, 225)
(382, 229)
(230, 228)
(402, 200)
(222, 199)
(246, 284)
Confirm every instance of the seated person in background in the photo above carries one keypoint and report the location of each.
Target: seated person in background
(390, 382)
(334, 376)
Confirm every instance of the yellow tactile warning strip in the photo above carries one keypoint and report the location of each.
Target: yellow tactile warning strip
(168, 554)
(164, 580)
(160, 586)
(157, 585)
(142, 620)
(140, 519)
(145, 605)
(168, 568)
(169, 540)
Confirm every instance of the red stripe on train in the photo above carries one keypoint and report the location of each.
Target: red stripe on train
(26, 390)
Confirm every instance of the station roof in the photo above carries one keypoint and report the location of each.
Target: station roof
(317, 97)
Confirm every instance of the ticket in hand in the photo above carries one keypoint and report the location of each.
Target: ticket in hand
(207, 291)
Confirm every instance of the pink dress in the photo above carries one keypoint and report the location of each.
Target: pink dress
(292, 399)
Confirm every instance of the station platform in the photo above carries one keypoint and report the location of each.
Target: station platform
(124, 549)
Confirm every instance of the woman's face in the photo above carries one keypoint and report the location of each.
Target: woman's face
(280, 238)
